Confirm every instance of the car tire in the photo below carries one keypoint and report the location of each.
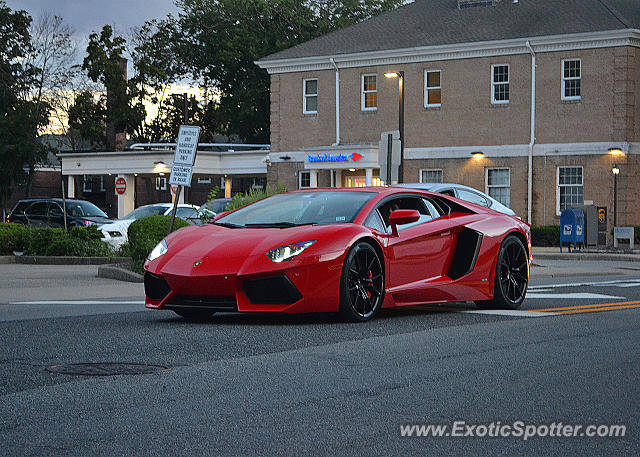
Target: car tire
(194, 314)
(511, 278)
(361, 283)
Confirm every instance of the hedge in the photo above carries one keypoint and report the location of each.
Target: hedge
(144, 234)
(545, 235)
(78, 241)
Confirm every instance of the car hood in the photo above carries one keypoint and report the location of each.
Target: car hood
(233, 250)
(119, 225)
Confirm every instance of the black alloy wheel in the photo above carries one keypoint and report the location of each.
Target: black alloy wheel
(361, 283)
(512, 276)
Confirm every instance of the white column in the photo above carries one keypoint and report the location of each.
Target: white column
(313, 178)
(71, 186)
(126, 201)
(368, 176)
(338, 182)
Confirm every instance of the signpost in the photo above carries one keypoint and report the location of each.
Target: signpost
(183, 161)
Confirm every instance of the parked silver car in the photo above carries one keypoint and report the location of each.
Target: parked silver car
(463, 193)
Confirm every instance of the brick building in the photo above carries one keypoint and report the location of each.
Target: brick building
(543, 88)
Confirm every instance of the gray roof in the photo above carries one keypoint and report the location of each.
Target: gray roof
(440, 22)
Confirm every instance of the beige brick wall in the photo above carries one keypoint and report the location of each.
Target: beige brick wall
(467, 117)
(597, 178)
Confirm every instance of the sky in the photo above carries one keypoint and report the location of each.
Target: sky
(85, 16)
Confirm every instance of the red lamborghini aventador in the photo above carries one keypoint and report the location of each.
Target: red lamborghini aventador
(351, 251)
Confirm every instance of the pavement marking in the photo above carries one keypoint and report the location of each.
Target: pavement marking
(595, 306)
(613, 283)
(508, 312)
(593, 310)
(572, 296)
(80, 302)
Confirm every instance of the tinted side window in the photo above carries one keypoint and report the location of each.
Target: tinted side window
(186, 213)
(38, 209)
(415, 203)
(374, 221)
(472, 197)
(448, 192)
(20, 208)
(55, 210)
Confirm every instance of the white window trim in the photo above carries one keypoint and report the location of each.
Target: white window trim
(566, 185)
(427, 88)
(87, 179)
(102, 188)
(362, 92)
(493, 85)
(487, 186)
(305, 96)
(562, 86)
(430, 169)
(300, 186)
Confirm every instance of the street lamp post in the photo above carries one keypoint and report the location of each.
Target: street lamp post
(400, 76)
(615, 170)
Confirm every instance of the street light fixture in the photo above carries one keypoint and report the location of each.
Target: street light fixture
(477, 154)
(615, 170)
(400, 76)
(616, 151)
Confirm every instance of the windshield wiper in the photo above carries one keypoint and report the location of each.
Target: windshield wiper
(227, 224)
(278, 224)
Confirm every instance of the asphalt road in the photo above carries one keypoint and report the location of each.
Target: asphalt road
(309, 385)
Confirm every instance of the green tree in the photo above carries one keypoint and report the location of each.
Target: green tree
(19, 118)
(104, 63)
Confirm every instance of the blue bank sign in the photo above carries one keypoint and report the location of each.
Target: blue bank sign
(333, 157)
(328, 158)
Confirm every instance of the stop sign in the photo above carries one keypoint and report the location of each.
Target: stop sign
(121, 186)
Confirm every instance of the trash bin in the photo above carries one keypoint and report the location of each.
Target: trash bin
(572, 228)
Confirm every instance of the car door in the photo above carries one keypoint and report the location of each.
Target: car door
(36, 214)
(55, 216)
(421, 251)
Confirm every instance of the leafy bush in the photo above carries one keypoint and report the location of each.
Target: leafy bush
(545, 235)
(78, 241)
(144, 234)
(253, 195)
(13, 237)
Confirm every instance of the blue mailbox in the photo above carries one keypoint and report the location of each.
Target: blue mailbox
(571, 227)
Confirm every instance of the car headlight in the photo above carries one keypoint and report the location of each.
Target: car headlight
(288, 252)
(160, 249)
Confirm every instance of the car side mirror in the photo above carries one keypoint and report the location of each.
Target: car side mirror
(402, 217)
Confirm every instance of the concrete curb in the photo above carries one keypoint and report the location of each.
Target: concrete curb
(118, 272)
(62, 260)
(586, 256)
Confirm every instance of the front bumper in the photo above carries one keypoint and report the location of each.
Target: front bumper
(312, 287)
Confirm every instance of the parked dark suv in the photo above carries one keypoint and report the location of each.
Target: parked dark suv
(47, 212)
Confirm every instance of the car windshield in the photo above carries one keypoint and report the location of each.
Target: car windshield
(84, 209)
(299, 208)
(146, 211)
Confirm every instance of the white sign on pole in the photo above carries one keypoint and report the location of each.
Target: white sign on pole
(185, 155)
(181, 175)
(187, 145)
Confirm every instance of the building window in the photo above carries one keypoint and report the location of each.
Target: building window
(430, 175)
(87, 183)
(432, 89)
(305, 180)
(369, 93)
(204, 180)
(570, 188)
(161, 183)
(498, 184)
(571, 76)
(102, 188)
(310, 96)
(500, 83)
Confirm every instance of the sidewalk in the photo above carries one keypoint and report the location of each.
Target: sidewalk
(553, 253)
